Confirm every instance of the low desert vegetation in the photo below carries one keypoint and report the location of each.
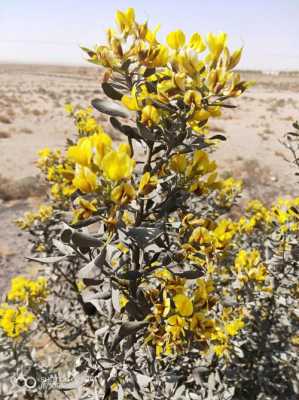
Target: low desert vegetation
(151, 285)
(5, 120)
(4, 135)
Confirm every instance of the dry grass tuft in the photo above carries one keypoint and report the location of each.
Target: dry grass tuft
(216, 128)
(28, 131)
(38, 113)
(30, 186)
(4, 135)
(5, 120)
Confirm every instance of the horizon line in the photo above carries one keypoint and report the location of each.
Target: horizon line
(90, 65)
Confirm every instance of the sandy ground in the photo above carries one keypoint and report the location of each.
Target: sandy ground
(32, 116)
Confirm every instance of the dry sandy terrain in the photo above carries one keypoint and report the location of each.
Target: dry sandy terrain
(32, 116)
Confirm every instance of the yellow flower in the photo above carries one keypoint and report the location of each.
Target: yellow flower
(235, 58)
(295, 340)
(169, 88)
(82, 152)
(175, 326)
(150, 36)
(15, 321)
(38, 289)
(157, 56)
(84, 113)
(67, 173)
(80, 285)
(121, 247)
(26, 290)
(224, 232)
(130, 102)
(125, 148)
(147, 183)
(220, 349)
(128, 218)
(193, 97)
(166, 305)
(40, 247)
(27, 220)
(164, 274)
(85, 180)
(176, 39)
(69, 108)
(89, 125)
(105, 56)
(159, 350)
(68, 190)
(123, 194)
(45, 212)
(178, 163)
(247, 259)
(248, 266)
(55, 190)
(125, 20)
(228, 190)
(202, 291)
(118, 165)
(200, 115)
(19, 290)
(258, 274)
(202, 236)
(216, 43)
(196, 43)
(179, 80)
(183, 305)
(232, 328)
(150, 116)
(102, 144)
(84, 208)
(44, 153)
(189, 63)
(123, 301)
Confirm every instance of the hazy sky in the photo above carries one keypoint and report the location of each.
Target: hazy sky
(50, 31)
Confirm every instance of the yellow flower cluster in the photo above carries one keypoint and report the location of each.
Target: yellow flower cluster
(94, 157)
(43, 214)
(148, 183)
(58, 171)
(229, 328)
(199, 175)
(25, 295)
(248, 266)
(90, 166)
(181, 317)
(85, 122)
(207, 237)
(229, 189)
(15, 320)
(189, 72)
(27, 290)
(83, 208)
(284, 214)
(191, 172)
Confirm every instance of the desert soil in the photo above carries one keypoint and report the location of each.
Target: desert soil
(32, 116)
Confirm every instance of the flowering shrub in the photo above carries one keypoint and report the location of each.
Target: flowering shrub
(152, 287)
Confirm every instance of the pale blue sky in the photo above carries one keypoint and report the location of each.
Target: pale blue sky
(50, 31)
